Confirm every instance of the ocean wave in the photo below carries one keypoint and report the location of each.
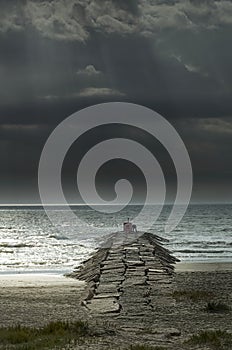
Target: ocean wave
(16, 245)
(218, 242)
(58, 237)
(6, 251)
(202, 244)
(204, 234)
(194, 251)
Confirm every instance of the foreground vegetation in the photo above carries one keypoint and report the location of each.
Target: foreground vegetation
(54, 334)
(192, 295)
(201, 296)
(215, 339)
(58, 335)
(216, 307)
(145, 347)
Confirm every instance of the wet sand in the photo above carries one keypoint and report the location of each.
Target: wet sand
(203, 266)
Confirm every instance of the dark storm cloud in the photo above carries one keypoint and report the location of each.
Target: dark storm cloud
(50, 81)
(209, 142)
(168, 55)
(209, 139)
(129, 5)
(75, 19)
(57, 57)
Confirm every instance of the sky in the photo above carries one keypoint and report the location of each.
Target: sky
(57, 57)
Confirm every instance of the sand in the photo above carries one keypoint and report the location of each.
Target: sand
(41, 280)
(215, 278)
(203, 266)
(35, 299)
(38, 298)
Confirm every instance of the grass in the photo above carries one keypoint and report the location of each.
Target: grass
(216, 307)
(51, 335)
(145, 347)
(193, 295)
(220, 340)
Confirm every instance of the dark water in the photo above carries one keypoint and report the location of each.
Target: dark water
(29, 241)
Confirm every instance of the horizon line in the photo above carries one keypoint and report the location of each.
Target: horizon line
(97, 204)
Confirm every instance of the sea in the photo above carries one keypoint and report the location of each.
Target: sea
(30, 242)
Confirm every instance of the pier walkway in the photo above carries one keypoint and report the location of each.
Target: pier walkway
(130, 281)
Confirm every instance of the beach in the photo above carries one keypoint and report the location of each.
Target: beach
(33, 299)
(36, 299)
(212, 283)
(203, 266)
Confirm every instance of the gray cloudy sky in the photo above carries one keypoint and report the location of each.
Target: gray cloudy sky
(59, 56)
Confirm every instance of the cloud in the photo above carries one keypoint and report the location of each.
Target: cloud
(224, 12)
(18, 127)
(89, 71)
(93, 91)
(116, 17)
(75, 20)
(216, 126)
(86, 92)
(55, 20)
(156, 16)
(181, 14)
(182, 73)
(208, 136)
(110, 24)
(190, 67)
(49, 97)
(11, 16)
(130, 6)
(172, 56)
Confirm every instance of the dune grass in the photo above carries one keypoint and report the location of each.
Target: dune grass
(215, 339)
(192, 295)
(217, 307)
(54, 334)
(146, 347)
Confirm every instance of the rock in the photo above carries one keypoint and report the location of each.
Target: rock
(90, 294)
(167, 332)
(130, 280)
(172, 332)
(104, 305)
(150, 271)
(107, 295)
(134, 262)
(107, 288)
(134, 282)
(108, 278)
(117, 267)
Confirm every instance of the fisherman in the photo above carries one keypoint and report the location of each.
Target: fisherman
(134, 228)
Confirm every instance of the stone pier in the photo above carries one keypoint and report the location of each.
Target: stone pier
(129, 280)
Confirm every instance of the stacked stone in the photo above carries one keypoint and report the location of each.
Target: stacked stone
(128, 277)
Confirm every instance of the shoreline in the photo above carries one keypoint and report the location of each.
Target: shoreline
(202, 266)
(59, 276)
(33, 280)
(49, 271)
